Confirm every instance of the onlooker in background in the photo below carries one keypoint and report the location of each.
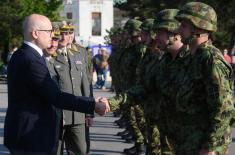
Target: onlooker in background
(103, 67)
(233, 55)
(227, 57)
(96, 62)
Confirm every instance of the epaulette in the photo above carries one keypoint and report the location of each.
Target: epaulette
(70, 52)
(74, 48)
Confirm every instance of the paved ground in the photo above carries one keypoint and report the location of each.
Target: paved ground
(104, 141)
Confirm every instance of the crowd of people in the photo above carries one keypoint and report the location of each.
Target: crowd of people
(173, 86)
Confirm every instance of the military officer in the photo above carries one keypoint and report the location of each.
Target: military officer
(70, 74)
(81, 54)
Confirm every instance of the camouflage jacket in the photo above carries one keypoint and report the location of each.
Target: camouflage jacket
(204, 94)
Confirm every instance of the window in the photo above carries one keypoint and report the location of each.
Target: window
(69, 15)
(96, 24)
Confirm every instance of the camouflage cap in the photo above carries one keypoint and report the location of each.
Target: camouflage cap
(127, 24)
(200, 14)
(147, 25)
(135, 27)
(166, 20)
(114, 31)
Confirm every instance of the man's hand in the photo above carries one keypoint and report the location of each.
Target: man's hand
(204, 152)
(101, 106)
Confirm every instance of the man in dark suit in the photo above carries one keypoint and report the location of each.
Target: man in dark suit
(32, 125)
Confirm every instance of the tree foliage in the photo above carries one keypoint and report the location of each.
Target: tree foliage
(224, 37)
(13, 13)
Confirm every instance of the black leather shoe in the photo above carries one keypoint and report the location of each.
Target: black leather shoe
(130, 139)
(125, 132)
(122, 124)
(126, 135)
(129, 150)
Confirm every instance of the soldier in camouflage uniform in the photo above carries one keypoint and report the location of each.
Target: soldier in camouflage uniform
(163, 73)
(129, 63)
(151, 53)
(202, 96)
(128, 59)
(145, 58)
(168, 40)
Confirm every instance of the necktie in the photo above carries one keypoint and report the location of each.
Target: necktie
(64, 53)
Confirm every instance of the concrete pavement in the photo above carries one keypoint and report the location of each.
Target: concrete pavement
(103, 133)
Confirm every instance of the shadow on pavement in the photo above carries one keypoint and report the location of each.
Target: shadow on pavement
(103, 152)
(3, 150)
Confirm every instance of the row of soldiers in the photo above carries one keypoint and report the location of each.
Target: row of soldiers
(69, 65)
(172, 84)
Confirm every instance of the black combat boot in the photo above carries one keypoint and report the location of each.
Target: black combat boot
(138, 149)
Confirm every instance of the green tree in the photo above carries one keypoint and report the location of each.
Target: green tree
(13, 13)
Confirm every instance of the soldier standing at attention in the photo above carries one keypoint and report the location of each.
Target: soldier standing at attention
(203, 103)
(163, 73)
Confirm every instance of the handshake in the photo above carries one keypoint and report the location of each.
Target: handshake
(101, 106)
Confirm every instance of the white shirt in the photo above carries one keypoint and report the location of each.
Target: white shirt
(63, 51)
(48, 58)
(39, 50)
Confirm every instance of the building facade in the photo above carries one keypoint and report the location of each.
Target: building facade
(91, 18)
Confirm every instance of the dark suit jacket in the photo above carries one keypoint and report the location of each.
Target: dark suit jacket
(32, 123)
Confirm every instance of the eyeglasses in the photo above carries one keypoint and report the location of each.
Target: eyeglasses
(47, 31)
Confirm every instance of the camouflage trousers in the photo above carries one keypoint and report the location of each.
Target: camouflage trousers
(153, 138)
(186, 135)
(138, 124)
